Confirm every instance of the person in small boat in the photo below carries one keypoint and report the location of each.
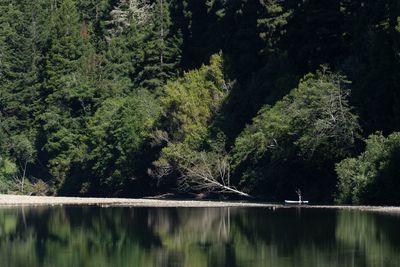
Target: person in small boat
(298, 192)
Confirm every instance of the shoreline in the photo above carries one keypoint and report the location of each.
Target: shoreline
(20, 200)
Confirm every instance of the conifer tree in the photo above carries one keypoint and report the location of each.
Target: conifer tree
(92, 10)
(19, 77)
(127, 13)
(66, 47)
(12, 60)
(65, 92)
(141, 33)
(272, 22)
(120, 60)
(124, 57)
(161, 48)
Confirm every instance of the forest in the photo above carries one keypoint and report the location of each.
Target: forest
(227, 98)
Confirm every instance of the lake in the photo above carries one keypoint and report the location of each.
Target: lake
(191, 237)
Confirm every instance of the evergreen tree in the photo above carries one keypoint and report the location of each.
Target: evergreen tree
(65, 93)
(92, 11)
(15, 64)
(119, 144)
(118, 64)
(161, 48)
(127, 13)
(272, 22)
(66, 46)
(22, 41)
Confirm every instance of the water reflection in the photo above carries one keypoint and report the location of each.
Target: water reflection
(88, 236)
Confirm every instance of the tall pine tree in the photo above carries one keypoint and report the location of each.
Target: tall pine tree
(22, 40)
(162, 49)
(67, 93)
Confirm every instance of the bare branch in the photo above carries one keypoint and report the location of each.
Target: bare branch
(208, 173)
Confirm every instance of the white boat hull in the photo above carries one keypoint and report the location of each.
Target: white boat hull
(295, 202)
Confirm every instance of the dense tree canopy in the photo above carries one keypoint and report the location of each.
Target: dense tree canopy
(371, 177)
(309, 128)
(141, 97)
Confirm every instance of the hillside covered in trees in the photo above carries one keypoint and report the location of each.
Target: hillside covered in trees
(259, 97)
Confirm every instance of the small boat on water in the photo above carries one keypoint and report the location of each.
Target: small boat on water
(295, 202)
(299, 202)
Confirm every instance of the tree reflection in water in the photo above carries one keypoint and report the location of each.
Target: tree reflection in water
(93, 236)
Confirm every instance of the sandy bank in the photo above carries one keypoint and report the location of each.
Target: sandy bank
(16, 200)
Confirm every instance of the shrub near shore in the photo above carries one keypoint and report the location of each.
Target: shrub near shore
(372, 177)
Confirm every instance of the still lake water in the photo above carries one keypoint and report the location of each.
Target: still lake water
(191, 237)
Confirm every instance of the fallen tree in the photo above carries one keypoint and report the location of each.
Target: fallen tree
(207, 173)
(199, 171)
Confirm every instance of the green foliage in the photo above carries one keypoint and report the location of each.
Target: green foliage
(372, 177)
(17, 73)
(398, 24)
(73, 90)
(118, 66)
(142, 41)
(315, 117)
(161, 48)
(64, 94)
(92, 10)
(7, 172)
(66, 47)
(63, 62)
(314, 123)
(272, 23)
(23, 39)
(190, 106)
(191, 102)
(12, 174)
(118, 135)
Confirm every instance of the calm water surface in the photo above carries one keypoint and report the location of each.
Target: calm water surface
(190, 237)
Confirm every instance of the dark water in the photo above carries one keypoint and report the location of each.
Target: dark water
(91, 236)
